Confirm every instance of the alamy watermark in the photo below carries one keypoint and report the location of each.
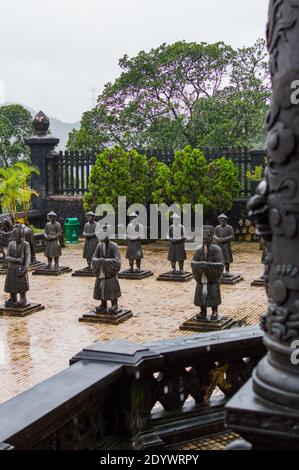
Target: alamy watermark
(155, 218)
(295, 353)
(295, 93)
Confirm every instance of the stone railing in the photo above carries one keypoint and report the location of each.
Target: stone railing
(119, 395)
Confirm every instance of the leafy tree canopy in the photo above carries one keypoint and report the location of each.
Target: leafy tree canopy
(213, 184)
(121, 173)
(181, 94)
(15, 126)
(191, 179)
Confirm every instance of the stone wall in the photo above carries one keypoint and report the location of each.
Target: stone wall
(67, 206)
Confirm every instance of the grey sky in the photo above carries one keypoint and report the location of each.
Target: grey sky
(53, 51)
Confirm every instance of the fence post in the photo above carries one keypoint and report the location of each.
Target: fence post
(41, 146)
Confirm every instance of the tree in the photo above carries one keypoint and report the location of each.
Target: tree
(131, 174)
(9, 189)
(117, 173)
(14, 188)
(160, 182)
(196, 181)
(23, 172)
(181, 94)
(15, 126)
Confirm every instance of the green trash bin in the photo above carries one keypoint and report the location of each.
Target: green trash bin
(71, 228)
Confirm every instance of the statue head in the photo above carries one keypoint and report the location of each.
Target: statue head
(18, 233)
(103, 232)
(208, 234)
(133, 216)
(90, 216)
(175, 219)
(52, 216)
(222, 220)
(6, 223)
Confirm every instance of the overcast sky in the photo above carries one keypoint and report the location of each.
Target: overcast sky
(53, 51)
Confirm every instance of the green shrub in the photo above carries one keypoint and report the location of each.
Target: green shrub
(196, 181)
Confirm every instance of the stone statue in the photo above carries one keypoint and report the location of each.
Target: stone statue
(224, 235)
(91, 241)
(18, 261)
(135, 234)
(207, 266)
(177, 237)
(6, 227)
(105, 265)
(52, 235)
(29, 238)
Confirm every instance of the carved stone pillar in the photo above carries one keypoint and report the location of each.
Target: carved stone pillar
(266, 410)
(42, 145)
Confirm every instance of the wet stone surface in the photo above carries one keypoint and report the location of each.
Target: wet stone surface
(36, 347)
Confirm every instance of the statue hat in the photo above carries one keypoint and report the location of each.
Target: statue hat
(133, 214)
(222, 216)
(52, 214)
(175, 216)
(90, 213)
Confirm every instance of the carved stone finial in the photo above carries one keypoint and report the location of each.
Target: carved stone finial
(41, 124)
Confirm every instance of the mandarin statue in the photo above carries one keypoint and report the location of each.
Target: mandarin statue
(177, 237)
(106, 263)
(29, 237)
(224, 235)
(91, 241)
(18, 261)
(6, 227)
(135, 233)
(52, 234)
(207, 267)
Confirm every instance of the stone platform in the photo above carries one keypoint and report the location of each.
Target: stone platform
(231, 280)
(84, 272)
(203, 326)
(259, 282)
(175, 277)
(108, 318)
(135, 275)
(33, 266)
(20, 311)
(45, 271)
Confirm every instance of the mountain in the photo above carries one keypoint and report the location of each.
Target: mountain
(59, 129)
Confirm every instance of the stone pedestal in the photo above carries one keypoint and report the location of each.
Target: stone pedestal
(3, 268)
(259, 282)
(45, 271)
(265, 425)
(20, 311)
(135, 275)
(37, 264)
(109, 318)
(204, 326)
(231, 280)
(84, 272)
(175, 277)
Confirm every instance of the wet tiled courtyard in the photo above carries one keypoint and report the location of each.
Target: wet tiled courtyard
(36, 347)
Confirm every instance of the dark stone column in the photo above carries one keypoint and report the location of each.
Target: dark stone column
(266, 411)
(42, 146)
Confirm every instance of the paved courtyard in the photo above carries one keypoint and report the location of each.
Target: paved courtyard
(36, 347)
